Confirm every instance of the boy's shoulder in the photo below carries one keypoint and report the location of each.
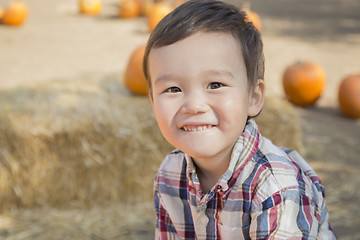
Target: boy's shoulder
(173, 162)
(282, 169)
(286, 159)
(173, 167)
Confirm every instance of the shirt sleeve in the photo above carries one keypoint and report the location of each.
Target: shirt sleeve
(286, 214)
(157, 210)
(164, 228)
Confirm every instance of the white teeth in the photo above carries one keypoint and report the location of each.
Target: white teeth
(196, 128)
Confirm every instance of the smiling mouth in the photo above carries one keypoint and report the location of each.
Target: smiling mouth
(196, 128)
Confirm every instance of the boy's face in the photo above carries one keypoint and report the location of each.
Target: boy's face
(200, 93)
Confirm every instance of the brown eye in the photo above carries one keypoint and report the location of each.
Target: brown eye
(215, 85)
(173, 90)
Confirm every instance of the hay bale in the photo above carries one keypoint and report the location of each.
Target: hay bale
(67, 146)
(107, 222)
(89, 143)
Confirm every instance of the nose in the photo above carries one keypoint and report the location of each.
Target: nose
(194, 103)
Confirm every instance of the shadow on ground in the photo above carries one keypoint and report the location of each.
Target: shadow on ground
(311, 20)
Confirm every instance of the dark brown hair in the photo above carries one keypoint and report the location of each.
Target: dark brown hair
(209, 16)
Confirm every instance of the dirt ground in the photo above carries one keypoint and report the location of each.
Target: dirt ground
(56, 43)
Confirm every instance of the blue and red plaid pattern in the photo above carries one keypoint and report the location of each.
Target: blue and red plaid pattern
(266, 193)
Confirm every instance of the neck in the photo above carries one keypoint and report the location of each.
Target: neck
(209, 171)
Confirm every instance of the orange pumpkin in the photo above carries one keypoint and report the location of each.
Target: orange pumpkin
(129, 8)
(158, 12)
(303, 83)
(134, 78)
(179, 2)
(1, 14)
(15, 14)
(255, 19)
(251, 15)
(145, 6)
(90, 7)
(349, 95)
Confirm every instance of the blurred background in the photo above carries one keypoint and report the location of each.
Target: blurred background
(79, 149)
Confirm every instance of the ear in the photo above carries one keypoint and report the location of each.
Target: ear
(257, 98)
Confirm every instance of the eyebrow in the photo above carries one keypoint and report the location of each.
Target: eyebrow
(220, 73)
(207, 73)
(164, 77)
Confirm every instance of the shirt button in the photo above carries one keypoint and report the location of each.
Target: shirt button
(204, 220)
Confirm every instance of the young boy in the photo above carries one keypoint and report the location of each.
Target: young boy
(205, 68)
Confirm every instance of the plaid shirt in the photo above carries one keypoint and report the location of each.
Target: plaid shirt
(266, 193)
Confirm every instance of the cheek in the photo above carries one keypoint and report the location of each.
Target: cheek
(163, 114)
(234, 107)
